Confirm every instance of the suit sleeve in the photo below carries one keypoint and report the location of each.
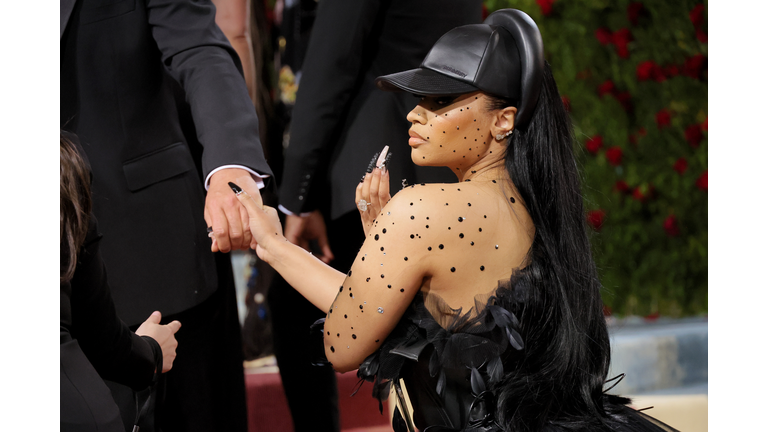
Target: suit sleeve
(197, 55)
(330, 74)
(116, 352)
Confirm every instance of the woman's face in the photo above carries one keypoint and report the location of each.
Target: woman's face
(453, 131)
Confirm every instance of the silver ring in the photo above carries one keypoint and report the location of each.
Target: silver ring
(362, 205)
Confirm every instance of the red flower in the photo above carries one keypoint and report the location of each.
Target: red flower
(621, 38)
(625, 99)
(546, 6)
(702, 182)
(604, 36)
(594, 144)
(671, 71)
(681, 166)
(621, 186)
(566, 102)
(645, 70)
(638, 194)
(697, 15)
(670, 226)
(633, 12)
(694, 66)
(694, 135)
(614, 155)
(595, 218)
(701, 36)
(663, 118)
(606, 88)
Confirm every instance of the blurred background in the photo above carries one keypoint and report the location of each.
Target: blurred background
(633, 76)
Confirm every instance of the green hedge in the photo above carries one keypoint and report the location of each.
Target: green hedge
(634, 78)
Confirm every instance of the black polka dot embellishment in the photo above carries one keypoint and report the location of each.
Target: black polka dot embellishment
(384, 231)
(472, 243)
(349, 273)
(412, 235)
(329, 333)
(382, 276)
(512, 199)
(406, 258)
(461, 235)
(480, 230)
(333, 350)
(382, 249)
(361, 306)
(363, 258)
(376, 237)
(441, 246)
(453, 269)
(338, 334)
(354, 336)
(402, 290)
(412, 217)
(389, 286)
(461, 219)
(482, 268)
(345, 316)
(429, 248)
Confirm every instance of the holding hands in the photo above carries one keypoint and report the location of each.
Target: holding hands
(372, 194)
(226, 217)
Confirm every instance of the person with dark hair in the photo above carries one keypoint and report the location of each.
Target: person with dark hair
(479, 300)
(94, 343)
(156, 95)
(339, 120)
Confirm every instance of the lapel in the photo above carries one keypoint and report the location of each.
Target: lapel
(65, 11)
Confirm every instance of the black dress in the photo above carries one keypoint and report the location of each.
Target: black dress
(96, 345)
(452, 366)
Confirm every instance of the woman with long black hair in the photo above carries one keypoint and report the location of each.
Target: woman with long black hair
(479, 300)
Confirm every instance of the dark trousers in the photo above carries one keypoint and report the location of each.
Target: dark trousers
(311, 390)
(205, 390)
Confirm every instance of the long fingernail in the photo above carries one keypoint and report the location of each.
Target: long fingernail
(385, 164)
(372, 163)
(235, 188)
(362, 179)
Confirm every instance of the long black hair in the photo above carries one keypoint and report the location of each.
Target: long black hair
(558, 378)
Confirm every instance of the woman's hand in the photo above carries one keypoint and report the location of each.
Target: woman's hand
(372, 194)
(164, 335)
(265, 225)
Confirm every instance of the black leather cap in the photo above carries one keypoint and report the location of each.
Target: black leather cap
(504, 57)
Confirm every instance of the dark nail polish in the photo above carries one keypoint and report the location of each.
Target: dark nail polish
(386, 161)
(210, 229)
(235, 188)
(362, 179)
(372, 163)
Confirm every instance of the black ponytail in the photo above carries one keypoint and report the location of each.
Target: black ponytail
(558, 378)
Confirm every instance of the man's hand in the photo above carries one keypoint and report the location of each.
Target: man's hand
(300, 230)
(164, 335)
(225, 214)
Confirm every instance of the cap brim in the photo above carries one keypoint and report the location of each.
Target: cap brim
(424, 82)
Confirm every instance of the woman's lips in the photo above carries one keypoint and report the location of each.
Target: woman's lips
(415, 139)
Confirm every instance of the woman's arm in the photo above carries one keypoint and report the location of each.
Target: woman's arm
(372, 297)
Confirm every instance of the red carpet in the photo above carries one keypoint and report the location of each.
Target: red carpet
(268, 409)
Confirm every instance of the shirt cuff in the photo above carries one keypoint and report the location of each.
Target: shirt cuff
(258, 178)
(288, 212)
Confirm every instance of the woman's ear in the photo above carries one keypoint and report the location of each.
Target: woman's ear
(504, 121)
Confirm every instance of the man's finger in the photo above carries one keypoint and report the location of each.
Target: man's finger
(174, 326)
(325, 248)
(221, 230)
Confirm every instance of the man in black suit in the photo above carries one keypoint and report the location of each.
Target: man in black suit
(339, 121)
(121, 66)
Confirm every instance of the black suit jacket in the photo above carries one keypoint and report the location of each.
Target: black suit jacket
(120, 63)
(341, 119)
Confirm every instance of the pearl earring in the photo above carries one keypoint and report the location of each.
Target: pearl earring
(500, 137)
